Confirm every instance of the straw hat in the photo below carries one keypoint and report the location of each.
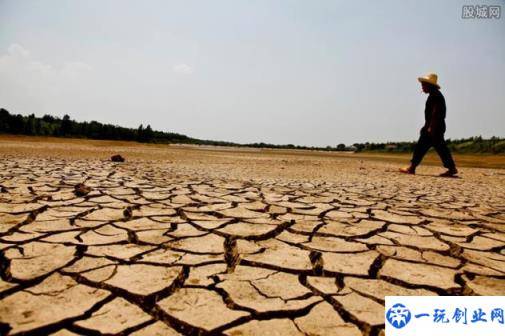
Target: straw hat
(430, 79)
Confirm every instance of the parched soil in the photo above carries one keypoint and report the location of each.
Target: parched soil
(202, 241)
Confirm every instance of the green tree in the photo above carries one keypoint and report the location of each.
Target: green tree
(148, 134)
(140, 133)
(29, 127)
(66, 126)
(4, 120)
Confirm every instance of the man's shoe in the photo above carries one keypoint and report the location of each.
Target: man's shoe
(450, 173)
(408, 170)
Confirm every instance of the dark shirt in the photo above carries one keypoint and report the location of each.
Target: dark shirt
(434, 113)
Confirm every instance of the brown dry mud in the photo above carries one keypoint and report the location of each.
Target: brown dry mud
(184, 241)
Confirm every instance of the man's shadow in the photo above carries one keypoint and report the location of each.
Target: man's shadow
(443, 177)
(431, 175)
(425, 175)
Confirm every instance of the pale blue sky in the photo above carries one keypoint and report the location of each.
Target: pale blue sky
(301, 72)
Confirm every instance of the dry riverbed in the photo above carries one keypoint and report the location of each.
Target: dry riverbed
(182, 240)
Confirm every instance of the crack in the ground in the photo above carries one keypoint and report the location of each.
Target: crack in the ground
(459, 235)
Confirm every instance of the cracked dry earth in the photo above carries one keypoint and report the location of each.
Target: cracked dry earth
(157, 248)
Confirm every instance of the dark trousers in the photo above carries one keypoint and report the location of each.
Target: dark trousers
(437, 141)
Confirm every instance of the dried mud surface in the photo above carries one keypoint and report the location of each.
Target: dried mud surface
(236, 244)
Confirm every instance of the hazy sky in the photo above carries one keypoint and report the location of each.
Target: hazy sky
(301, 72)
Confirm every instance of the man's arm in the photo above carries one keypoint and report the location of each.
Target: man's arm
(434, 122)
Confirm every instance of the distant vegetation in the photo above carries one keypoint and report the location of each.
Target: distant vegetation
(493, 145)
(65, 127)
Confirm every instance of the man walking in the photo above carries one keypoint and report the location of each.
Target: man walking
(432, 133)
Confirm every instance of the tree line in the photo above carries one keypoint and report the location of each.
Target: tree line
(476, 144)
(49, 125)
(65, 127)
